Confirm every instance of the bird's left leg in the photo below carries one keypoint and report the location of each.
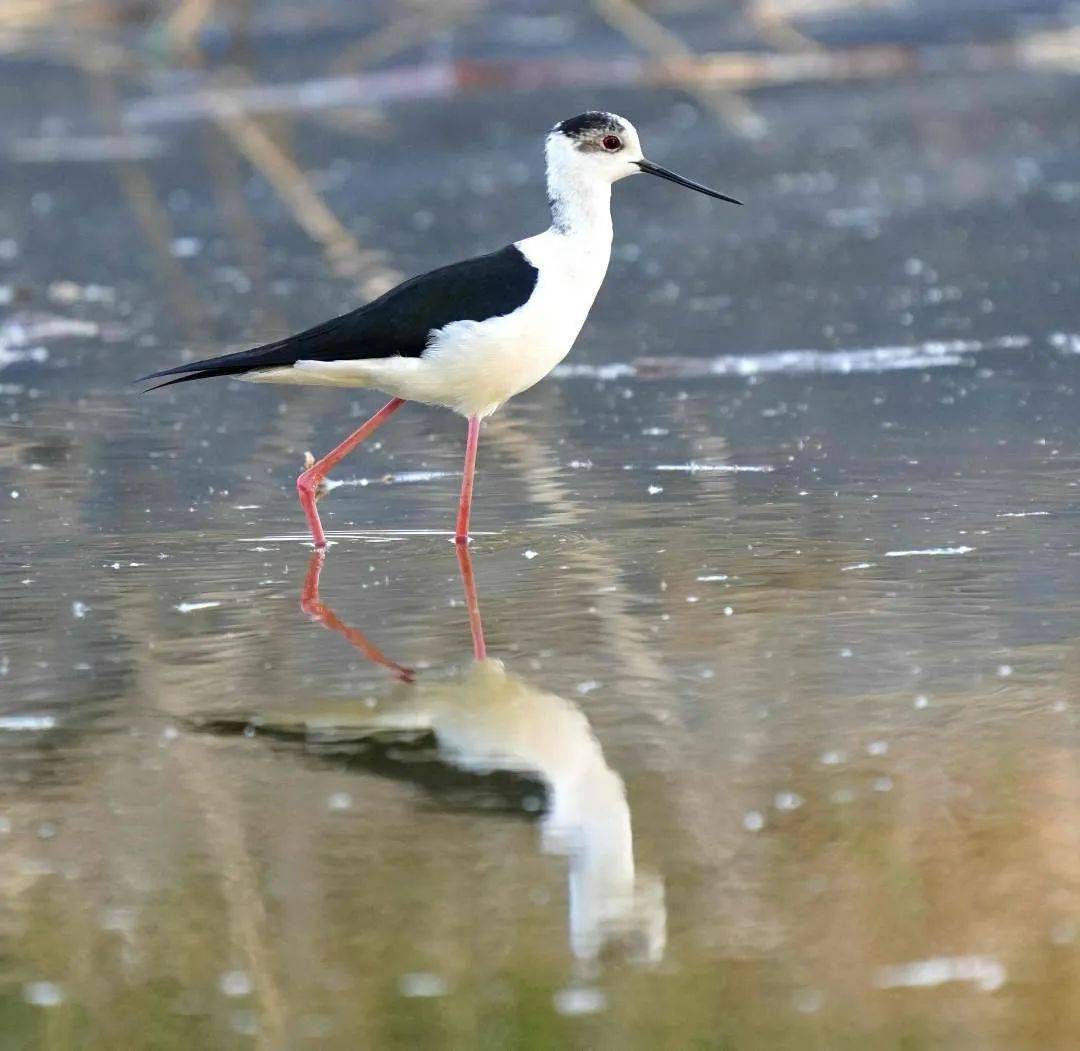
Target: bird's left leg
(461, 533)
(309, 484)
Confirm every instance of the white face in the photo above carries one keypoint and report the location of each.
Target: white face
(600, 145)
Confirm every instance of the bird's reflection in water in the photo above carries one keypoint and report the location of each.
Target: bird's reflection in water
(494, 740)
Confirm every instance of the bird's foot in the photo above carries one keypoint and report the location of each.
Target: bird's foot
(309, 487)
(324, 485)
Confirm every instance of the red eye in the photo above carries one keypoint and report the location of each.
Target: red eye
(612, 142)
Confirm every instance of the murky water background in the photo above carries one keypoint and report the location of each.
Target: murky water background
(779, 576)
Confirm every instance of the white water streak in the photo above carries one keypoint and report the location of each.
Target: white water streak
(20, 335)
(722, 468)
(27, 722)
(368, 536)
(936, 354)
(987, 972)
(961, 550)
(399, 478)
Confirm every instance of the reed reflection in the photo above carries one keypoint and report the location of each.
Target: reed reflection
(488, 739)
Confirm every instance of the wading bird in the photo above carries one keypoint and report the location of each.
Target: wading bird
(471, 335)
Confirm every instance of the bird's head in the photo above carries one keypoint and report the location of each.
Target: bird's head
(605, 147)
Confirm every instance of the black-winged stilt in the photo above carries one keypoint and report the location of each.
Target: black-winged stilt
(471, 335)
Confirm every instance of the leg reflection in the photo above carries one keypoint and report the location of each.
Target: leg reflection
(319, 612)
(472, 604)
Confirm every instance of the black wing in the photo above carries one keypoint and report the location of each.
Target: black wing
(398, 322)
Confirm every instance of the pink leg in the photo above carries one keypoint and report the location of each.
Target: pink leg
(461, 534)
(307, 484)
(476, 626)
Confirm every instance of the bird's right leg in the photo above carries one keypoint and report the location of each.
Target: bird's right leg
(308, 484)
(461, 532)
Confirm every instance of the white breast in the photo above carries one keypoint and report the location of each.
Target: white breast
(473, 367)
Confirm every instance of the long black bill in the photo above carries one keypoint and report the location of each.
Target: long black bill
(655, 169)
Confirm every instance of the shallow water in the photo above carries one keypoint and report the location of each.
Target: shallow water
(776, 745)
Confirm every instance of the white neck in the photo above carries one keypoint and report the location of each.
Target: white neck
(580, 206)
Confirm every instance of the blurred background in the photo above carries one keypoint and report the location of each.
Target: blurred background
(781, 565)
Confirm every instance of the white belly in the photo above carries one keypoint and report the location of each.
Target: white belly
(473, 367)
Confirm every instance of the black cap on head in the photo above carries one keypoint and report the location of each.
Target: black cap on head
(589, 123)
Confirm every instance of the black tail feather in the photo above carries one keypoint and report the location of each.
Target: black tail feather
(337, 338)
(201, 374)
(321, 342)
(226, 365)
